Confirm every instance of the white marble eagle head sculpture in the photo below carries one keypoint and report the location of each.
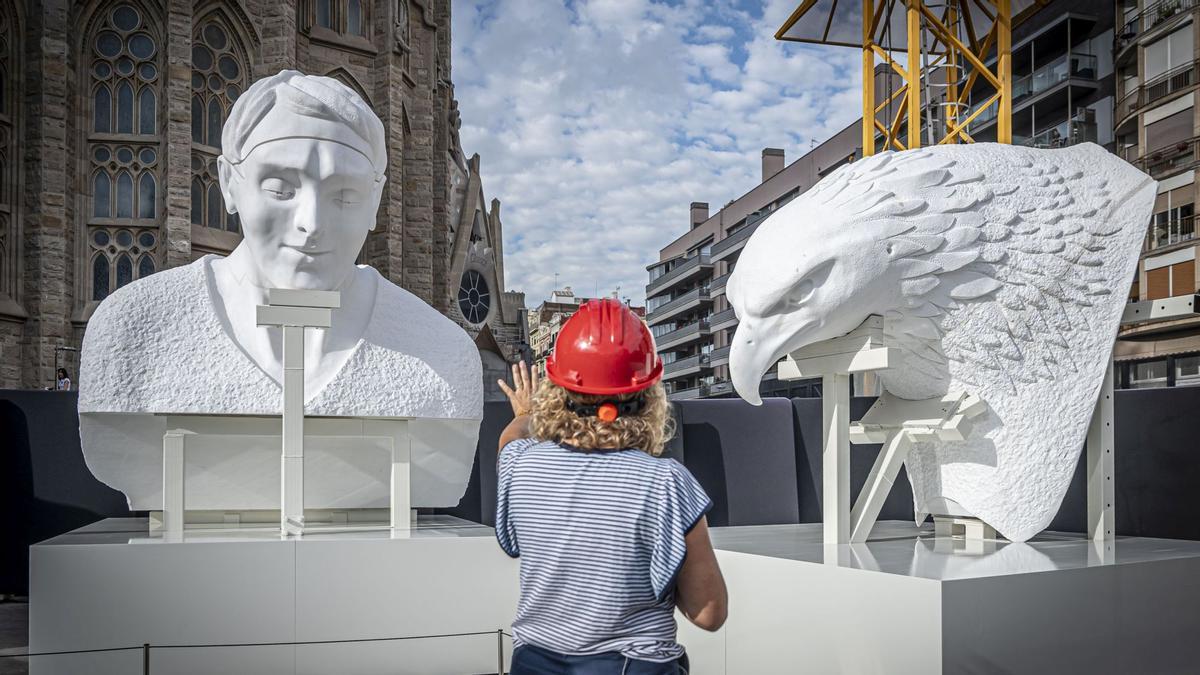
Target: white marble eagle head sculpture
(999, 270)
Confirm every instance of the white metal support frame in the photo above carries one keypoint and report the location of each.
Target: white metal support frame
(835, 457)
(1101, 469)
(294, 311)
(249, 432)
(897, 423)
(860, 350)
(894, 422)
(1101, 438)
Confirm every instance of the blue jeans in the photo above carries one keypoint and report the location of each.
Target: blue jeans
(531, 660)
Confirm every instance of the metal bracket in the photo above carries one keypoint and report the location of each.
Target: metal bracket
(897, 423)
(294, 310)
(184, 430)
(892, 421)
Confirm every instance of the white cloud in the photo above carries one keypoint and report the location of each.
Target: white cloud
(599, 121)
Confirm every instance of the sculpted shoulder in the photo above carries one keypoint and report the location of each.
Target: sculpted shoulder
(160, 294)
(414, 327)
(133, 326)
(408, 327)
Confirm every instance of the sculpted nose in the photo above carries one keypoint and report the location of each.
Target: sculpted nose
(309, 217)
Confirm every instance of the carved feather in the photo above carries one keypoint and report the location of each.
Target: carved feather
(957, 241)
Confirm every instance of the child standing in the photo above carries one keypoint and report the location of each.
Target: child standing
(611, 537)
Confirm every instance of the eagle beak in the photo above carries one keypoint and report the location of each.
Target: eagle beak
(757, 345)
(749, 360)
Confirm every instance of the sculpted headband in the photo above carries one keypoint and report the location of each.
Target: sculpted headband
(281, 123)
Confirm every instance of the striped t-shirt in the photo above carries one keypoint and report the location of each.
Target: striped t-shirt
(600, 535)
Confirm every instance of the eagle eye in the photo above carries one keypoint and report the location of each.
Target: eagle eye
(803, 292)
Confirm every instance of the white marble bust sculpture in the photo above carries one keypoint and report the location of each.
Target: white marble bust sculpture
(303, 166)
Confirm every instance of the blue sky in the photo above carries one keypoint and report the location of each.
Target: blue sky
(598, 122)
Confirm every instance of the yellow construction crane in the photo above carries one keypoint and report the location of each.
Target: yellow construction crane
(946, 46)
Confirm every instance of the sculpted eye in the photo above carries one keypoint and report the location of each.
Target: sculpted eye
(802, 292)
(278, 188)
(346, 198)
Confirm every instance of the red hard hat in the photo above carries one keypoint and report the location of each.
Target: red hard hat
(604, 348)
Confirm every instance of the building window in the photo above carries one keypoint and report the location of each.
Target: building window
(1173, 217)
(474, 297)
(220, 74)
(346, 17)
(1163, 136)
(1170, 274)
(1173, 226)
(657, 301)
(1149, 374)
(119, 256)
(124, 148)
(1187, 371)
(1169, 53)
(703, 248)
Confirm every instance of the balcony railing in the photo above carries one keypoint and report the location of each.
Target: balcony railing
(681, 367)
(1059, 70)
(666, 311)
(1176, 79)
(1067, 66)
(1149, 18)
(1130, 153)
(733, 242)
(685, 394)
(1170, 232)
(720, 387)
(717, 286)
(719, 357)
(723, 319)
(682, 335)
(1060, 136)
(681, 271)
(1169, 159)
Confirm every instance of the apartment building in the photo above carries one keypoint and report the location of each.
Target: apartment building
(686, 307)
(1157, 129)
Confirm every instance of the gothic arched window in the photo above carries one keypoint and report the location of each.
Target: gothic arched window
(220, 72)
(344, 17)
(9, 130)
(124, 59)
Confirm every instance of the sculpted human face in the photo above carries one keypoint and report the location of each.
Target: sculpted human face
(305, 206)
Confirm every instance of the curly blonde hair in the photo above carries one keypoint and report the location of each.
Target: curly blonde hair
(648, 430)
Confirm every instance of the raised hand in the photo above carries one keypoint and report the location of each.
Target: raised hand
(520, 395)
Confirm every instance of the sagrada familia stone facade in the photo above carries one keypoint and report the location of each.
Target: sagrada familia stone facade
(110, 121)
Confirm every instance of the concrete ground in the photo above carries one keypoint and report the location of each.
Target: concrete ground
(14, 636)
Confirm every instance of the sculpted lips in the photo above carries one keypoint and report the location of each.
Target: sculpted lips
(308, 250)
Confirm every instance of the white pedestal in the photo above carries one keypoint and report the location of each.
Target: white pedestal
(112, 584)
(907, 602)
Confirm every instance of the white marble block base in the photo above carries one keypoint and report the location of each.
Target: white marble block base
(906, 602)
(112, 584)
